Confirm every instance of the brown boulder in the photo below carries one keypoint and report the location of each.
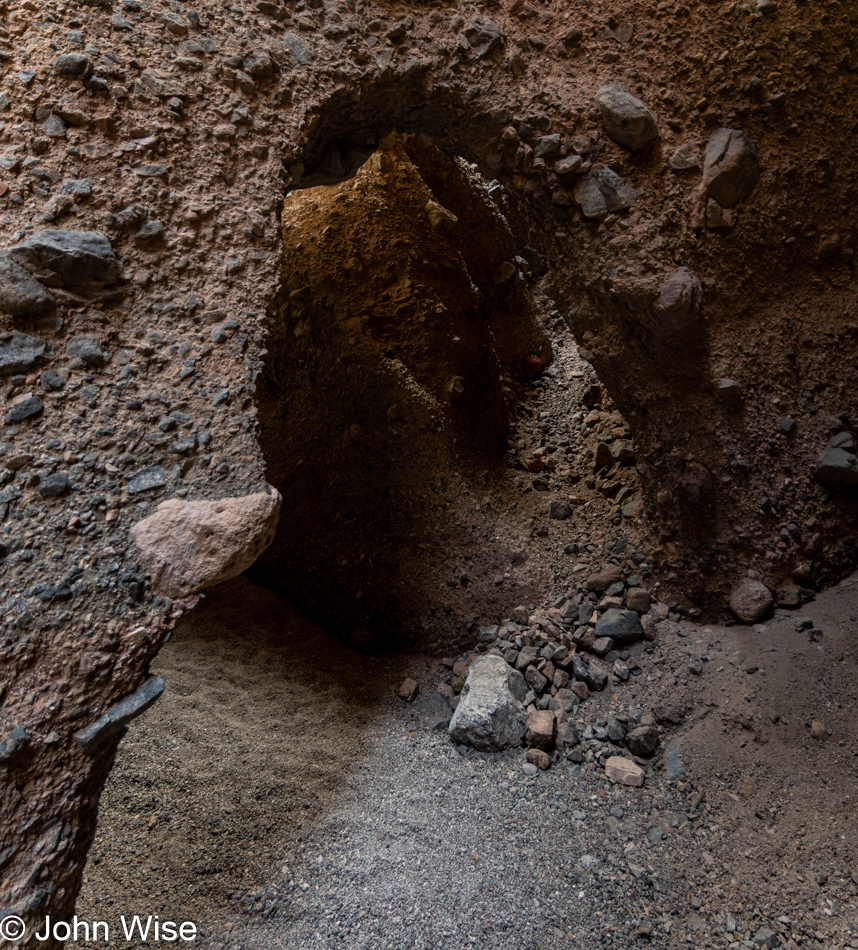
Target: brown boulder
(611, 574)
(187, 546)
(539, 733)
(751, 601)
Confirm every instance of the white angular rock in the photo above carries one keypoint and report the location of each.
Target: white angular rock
(490, 715)
(187, 546)
(623, 771)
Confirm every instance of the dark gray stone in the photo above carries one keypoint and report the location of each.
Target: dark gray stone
(836, 468)
(20, 353)
(559, 510)
(73, 66)
(590, 199)
(626, 119)
(118, 716)
(26, 409)
(298, 48)
(87, 348)
(76, 260)
(13, 744)
(20, 293)
(148, 479)
(622, 626)
(54, 485)
(731, 169)
(674, 765)
(483, 35)
(642, 741)
(617, 192)
(594, 675)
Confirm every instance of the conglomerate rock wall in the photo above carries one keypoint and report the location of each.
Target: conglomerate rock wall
(164, 137)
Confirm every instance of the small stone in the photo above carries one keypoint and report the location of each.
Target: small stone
(118, 716)
(490, 716)
(818, 730)
(539, 758)
(483, 36)
(622, 626)
(836, 468)
(642, 741)
(602, 580)
(409, 690)
(673, 762)
(638, 600)
(590, 199)
(626, 119)
(731, 169)
(73, 66)
(187, 546)
(54, 485)
(20, 353)
(539, 731)
(678, 303)
(87, 348)
(150, 478)
(559, 510)
(685, 157)
(26, 409)
(624, 771)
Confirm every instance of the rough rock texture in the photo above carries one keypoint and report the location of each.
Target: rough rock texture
(179, 146)
(490, 715)
(187, 546)
(627, 120)
(751, 601)
(731, 169)
(624, 771)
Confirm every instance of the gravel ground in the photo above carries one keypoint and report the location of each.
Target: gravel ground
(281, 795)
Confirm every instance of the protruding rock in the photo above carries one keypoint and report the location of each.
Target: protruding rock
(118, 716)
(617, 192)
(623, 771)
(483, 35)
(836, 467)
(187, 546)
(73, 66)
(539, 758)
(590, 199)
(678, 302)
(76, 260)
(731, 169)
(20, 353)
(409, 690)
(751, 601)
(695, 484)
(643, 740)
(627, 120)
(490, 716)
(20, 294)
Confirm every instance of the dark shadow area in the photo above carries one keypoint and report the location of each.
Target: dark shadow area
(263, 722)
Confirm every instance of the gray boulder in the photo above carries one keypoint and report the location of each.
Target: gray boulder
(622, 626)
(678, 302)
(76, 260)
(626, 119)
(20, 294)
(731, 169)
(490, 715)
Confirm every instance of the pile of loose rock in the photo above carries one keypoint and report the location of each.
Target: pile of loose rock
(540, 666)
